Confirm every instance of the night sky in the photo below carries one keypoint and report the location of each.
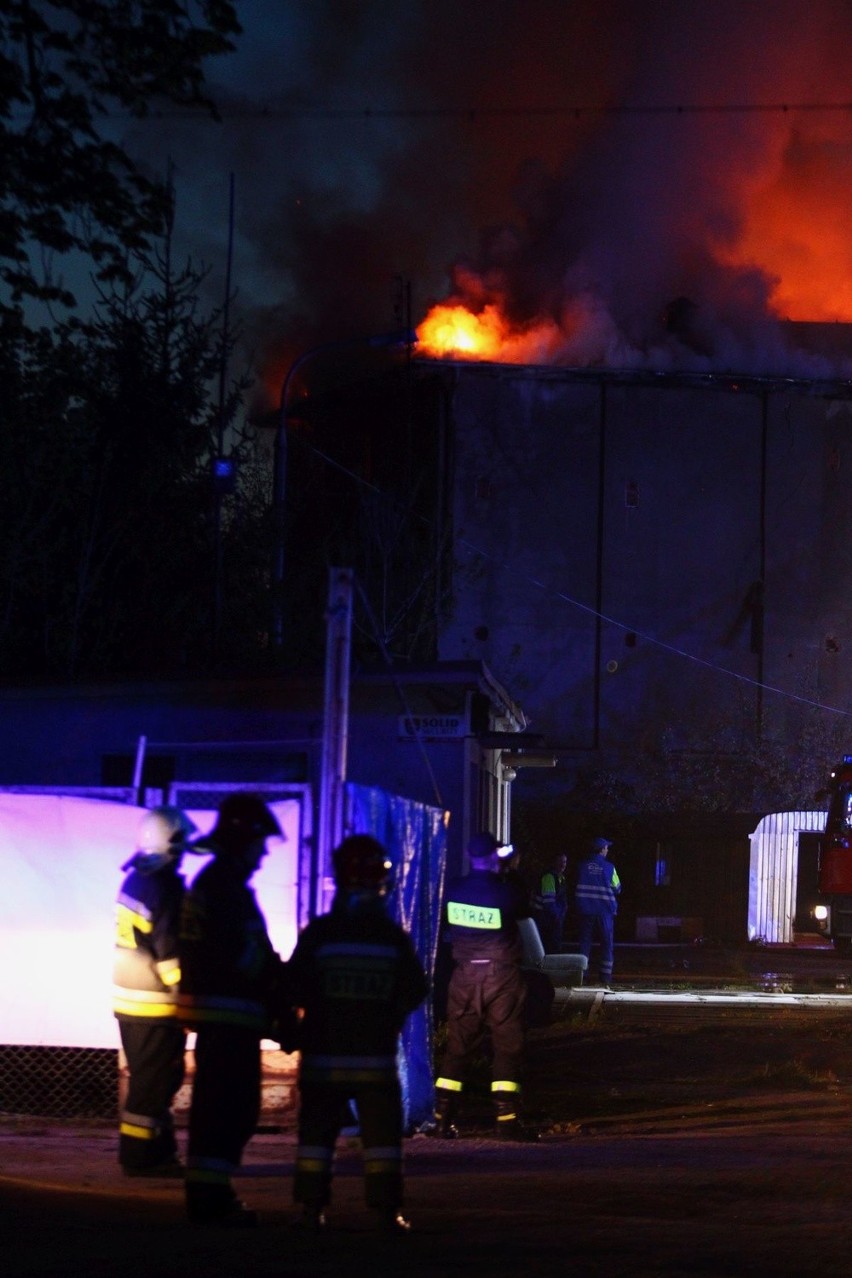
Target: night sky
(578, 166)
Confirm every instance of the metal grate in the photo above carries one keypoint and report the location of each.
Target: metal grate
(59, 1082)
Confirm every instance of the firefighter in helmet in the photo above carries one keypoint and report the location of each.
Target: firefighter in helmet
(487, 992)
(146, 973)
(230, 975)
(355, 974)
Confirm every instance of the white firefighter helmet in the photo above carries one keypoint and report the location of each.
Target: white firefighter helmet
(165, 831)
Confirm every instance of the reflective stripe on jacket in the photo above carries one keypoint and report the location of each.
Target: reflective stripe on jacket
(551, 891)
(598, 886)
(482, 911)
(146, 969)
(228, 965)
(357, 976)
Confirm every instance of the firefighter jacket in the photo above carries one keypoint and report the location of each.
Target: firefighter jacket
(356, 975)
(598, 886)
(146, 969)
(481, 914)
(229, 970)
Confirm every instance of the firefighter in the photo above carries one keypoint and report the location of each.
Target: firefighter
(355, 974)
(487, 991)
(146, 973)
(596, 901)
(229, 977)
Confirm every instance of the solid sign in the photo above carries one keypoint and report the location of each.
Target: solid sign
(432, 727)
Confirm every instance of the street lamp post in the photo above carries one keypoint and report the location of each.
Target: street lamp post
(401, 337)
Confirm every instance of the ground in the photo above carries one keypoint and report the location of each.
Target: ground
(682, 1139)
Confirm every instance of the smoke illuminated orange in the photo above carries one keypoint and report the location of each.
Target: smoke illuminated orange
(797, 231)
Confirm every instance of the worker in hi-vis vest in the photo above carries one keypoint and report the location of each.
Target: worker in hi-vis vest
(550, 904)
(596, 901)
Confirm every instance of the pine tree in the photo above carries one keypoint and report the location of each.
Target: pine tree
(65, 186)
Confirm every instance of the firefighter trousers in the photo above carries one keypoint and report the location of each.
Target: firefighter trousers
(323, 1110)
(223, 1115)
(485, 997)
(154, 1051)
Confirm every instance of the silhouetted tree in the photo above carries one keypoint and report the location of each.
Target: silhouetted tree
(65, 186)
(107, 542)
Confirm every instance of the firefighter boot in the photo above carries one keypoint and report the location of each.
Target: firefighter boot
(514, 1129)
(445, 1112)
(217, 1205)
(508, 1125)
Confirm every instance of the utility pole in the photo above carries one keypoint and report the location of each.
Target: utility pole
(222, 478)
(335, 739)
(404, 337)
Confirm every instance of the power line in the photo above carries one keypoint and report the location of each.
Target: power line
(535, 112)
(473, 112)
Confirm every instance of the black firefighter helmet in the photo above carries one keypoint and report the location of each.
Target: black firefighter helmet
(242, 819)
(361, 864)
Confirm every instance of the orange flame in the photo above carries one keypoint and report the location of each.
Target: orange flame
(454, 330)
(451, 330)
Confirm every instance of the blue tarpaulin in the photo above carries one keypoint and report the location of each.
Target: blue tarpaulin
(416, 838)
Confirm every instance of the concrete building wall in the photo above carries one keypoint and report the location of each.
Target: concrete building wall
(525, 515)
(637, 554)
(808, 632)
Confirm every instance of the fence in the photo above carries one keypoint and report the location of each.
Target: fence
(59, 1082)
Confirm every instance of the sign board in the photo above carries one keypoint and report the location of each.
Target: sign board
(432, 727)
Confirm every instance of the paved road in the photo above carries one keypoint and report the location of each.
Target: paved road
(758, 1186)
(766, 1200)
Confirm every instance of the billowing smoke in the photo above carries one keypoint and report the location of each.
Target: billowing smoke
(651, 183)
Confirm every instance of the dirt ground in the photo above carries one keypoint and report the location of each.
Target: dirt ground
(680, 1140)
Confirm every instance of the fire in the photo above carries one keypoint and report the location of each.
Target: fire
(749, 223)
(453, 330)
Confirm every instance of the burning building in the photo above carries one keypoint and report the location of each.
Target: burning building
(649, 380)
(635, 395)
(657, 562)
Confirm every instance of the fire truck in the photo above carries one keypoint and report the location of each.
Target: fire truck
(833, 914)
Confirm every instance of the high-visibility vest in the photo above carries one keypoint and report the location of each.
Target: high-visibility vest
(551, 890)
